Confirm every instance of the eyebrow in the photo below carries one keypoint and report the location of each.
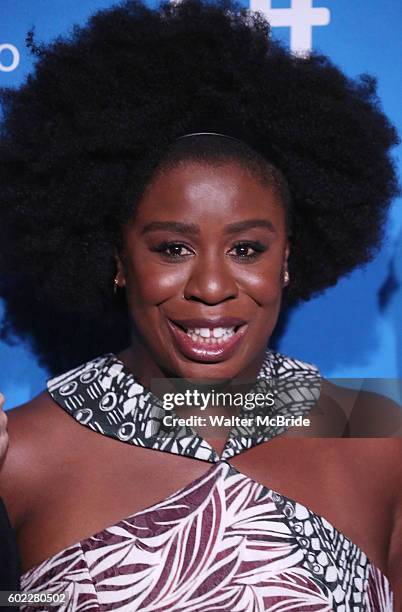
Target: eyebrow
(240, 226)
(193, 229)
(175, 226)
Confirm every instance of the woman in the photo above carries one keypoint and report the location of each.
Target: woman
(181, 157)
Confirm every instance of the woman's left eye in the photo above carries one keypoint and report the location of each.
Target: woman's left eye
(247, 251)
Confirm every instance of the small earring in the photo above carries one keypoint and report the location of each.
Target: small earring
(116, 285)
(286, 278)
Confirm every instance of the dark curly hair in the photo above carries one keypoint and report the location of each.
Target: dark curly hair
(85, 133)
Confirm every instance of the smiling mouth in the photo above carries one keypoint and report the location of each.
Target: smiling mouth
(207, 344)
(216, 335)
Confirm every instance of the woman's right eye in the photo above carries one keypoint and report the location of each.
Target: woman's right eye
(172, 250)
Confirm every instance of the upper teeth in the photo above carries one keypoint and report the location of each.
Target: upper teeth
(216, 332)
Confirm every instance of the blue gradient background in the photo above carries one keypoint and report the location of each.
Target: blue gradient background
(345, 331)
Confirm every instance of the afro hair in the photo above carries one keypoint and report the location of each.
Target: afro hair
(83, 136)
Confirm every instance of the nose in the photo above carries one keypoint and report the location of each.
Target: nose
(211, 282)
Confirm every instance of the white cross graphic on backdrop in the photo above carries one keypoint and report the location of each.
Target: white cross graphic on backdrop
(300, 18)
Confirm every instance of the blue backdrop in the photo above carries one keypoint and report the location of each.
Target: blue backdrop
(355, 333)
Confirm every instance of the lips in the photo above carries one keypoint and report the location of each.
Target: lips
(207, 340)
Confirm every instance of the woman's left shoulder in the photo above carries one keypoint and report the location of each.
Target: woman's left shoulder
(368, 414)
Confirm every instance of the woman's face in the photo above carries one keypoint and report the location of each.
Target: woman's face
(203, 268)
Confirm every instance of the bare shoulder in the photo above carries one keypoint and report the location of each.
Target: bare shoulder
(36, 432)
(373, 431)
(367, 414)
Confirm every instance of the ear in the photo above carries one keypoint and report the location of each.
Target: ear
(287, 253)
(285, 271)
(120, 277)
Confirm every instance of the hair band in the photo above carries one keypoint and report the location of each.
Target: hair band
(209, 134)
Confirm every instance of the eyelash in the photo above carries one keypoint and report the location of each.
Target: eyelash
(257, 246)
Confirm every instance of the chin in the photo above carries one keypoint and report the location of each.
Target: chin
(209, 372)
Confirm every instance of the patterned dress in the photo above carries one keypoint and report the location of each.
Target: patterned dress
(223, 543)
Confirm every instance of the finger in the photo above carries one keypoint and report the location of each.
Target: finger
(3, 421)
(4, 443)
(3, 428)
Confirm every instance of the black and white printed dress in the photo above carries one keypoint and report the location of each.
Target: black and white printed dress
(222, 543)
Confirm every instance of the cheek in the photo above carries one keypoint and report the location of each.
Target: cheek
(264, 286)
(153, 284)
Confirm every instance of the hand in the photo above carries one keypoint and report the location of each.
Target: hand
(3, 429)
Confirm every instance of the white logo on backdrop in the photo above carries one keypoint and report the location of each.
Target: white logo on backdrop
(301, 17)
(15, 57)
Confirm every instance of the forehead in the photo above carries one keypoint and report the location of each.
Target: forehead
(208, 191)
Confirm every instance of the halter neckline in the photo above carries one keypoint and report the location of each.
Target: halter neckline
(104, 396)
